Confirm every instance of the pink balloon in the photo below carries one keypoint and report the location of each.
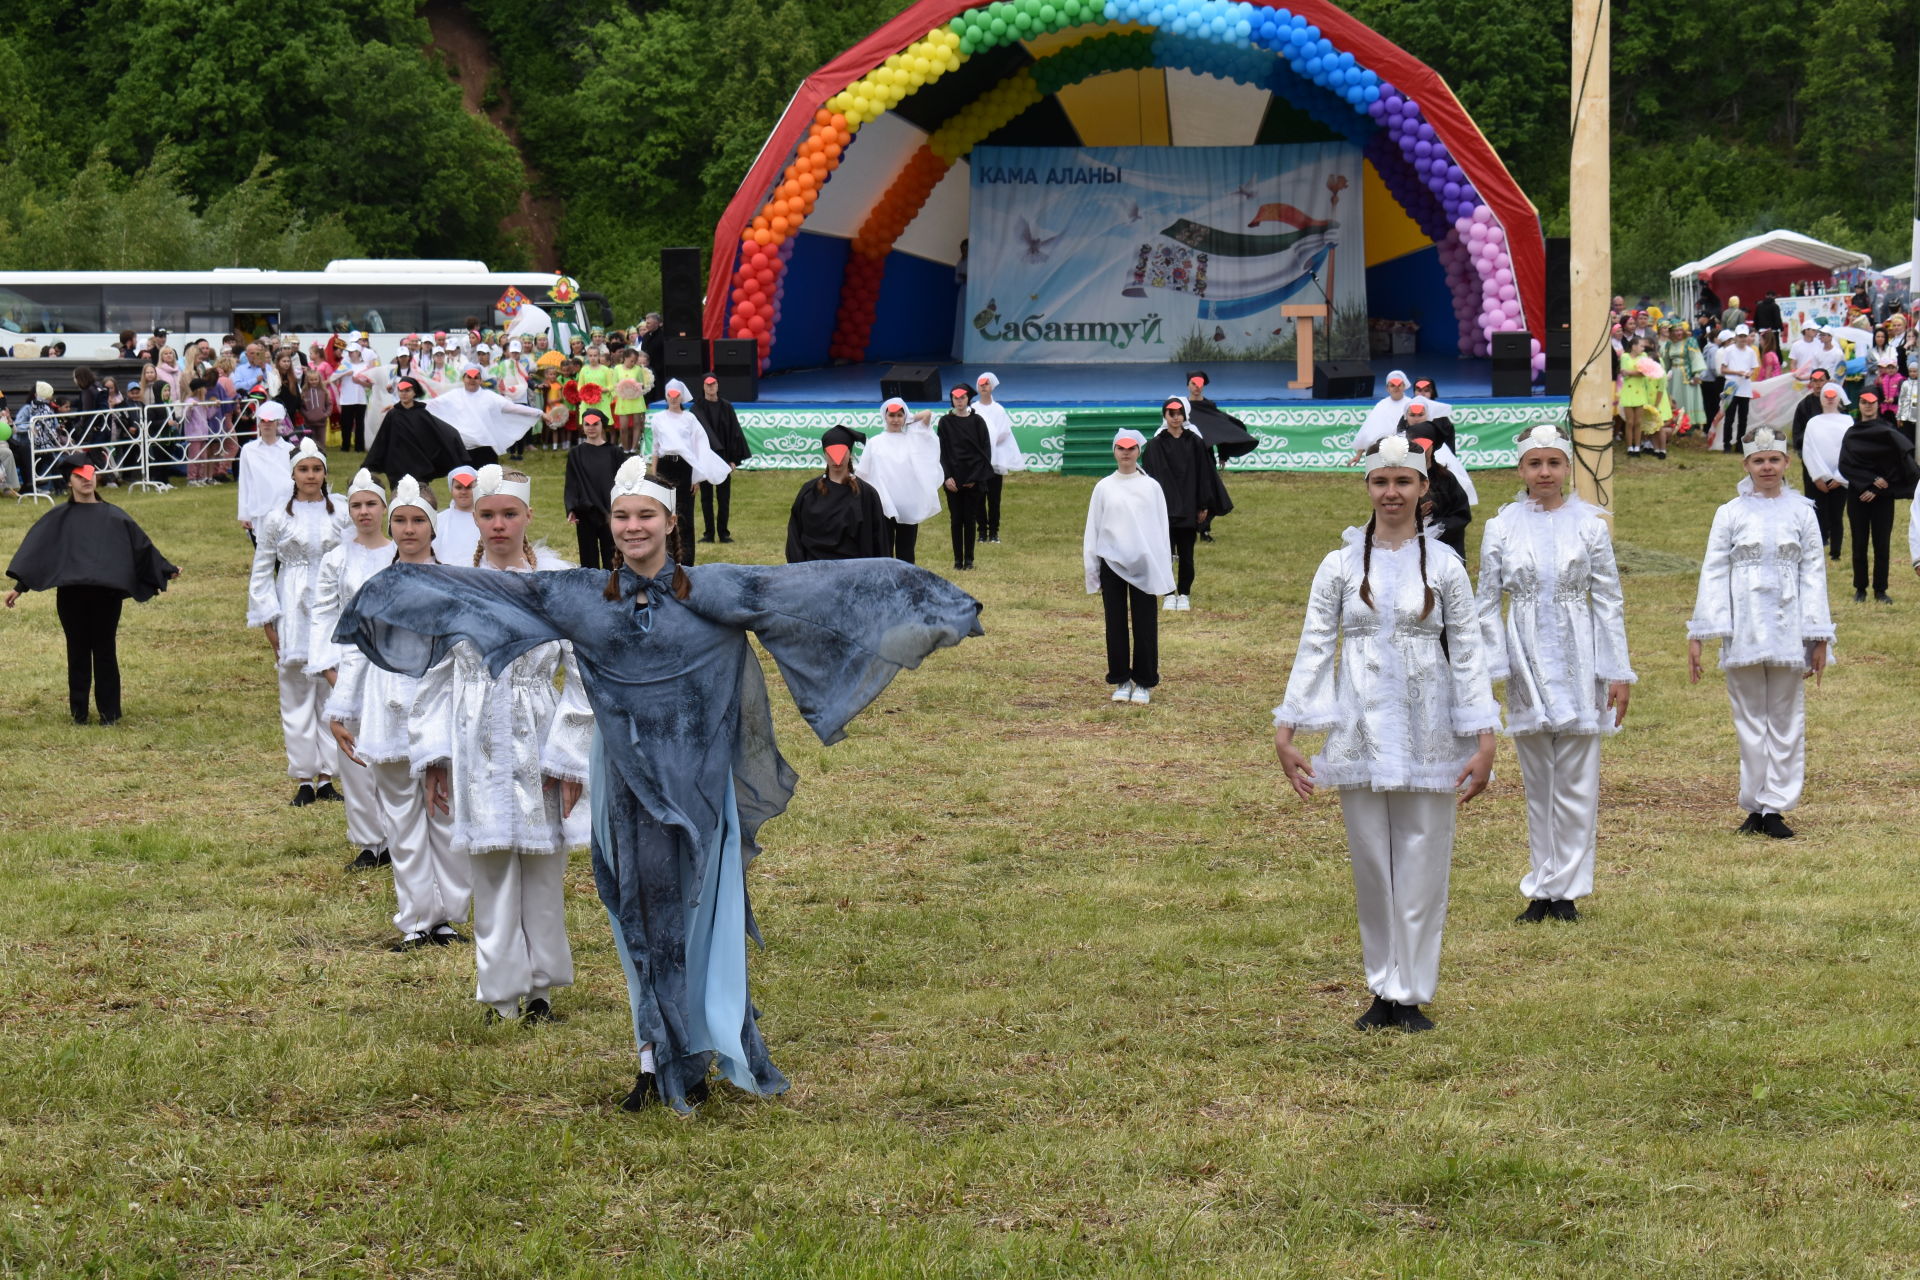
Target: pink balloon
(1482, 214)
(1494, 231)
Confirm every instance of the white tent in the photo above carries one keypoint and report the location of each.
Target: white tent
(1904, 271)
(1753, 265)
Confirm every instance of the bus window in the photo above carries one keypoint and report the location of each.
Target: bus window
(376, 308)
(51, 308)
(297, 304)
(452, 306)
(147, 307)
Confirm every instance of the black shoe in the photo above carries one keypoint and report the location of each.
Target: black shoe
(81, 718)
(536, 1010)
(445, 935)
(1833, 555)
(959, 566)
(1536, 912)
(1206, 537)
(1381, 1013)
(1411, 1019)
(494, 1017)
(706, 537)
(726, 537)
(1859, 596)
(303, 796)
(366, 861)
(327, 791)
(413, 942)
(969, 564)
(109, 721)
(697, 1094)
(1563, 910)
(1879, 597)
(386, 858)
(1751, 827)
(645, 1093)
(1772, 824)
(1660, 454)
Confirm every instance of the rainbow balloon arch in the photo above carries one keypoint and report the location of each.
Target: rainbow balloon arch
(1431, 157)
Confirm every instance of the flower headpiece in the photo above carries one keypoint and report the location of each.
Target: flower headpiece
(406, 493)
(1763, 441)
(632, 482)
(493, 480)
(1545, 436)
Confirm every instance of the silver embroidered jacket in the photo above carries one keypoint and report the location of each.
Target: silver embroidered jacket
(502, 738)
(372, 702)
(1565, 634)
(294, 543)
(1763, 584)
(1400, 714)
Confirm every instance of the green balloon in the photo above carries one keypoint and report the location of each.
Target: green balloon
(6, 432)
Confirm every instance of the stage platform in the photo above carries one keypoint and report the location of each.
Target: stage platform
(1078, 386)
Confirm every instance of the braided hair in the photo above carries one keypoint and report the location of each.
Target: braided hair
(682, 584)
(1366, 559)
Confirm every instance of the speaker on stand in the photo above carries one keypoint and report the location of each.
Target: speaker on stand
(1558, 345)
(1342, 380)
(680, 293)
(911, 382)
(1513, 365)
(736, 362)
(683, 360)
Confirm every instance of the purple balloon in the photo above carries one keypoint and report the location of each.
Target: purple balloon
(1427, 133)
(1456, 173)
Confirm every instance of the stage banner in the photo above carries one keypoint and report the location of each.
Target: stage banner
(1124, 254)
(1303, 438)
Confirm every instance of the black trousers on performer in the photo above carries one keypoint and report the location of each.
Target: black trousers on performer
(707, 490)
(1830, 509)
(678, 472)
(1183, 540)
(353, 428)
(1710, 398)
(991, 533)
(596, 541)
(901, 538)
(91, 618)
(1874, 518)
(1735, 427)
(1120, 597)
(966, 512)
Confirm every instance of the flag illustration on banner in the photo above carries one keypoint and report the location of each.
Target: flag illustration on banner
(1233, 273)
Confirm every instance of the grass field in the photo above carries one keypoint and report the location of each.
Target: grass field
(1064, 988)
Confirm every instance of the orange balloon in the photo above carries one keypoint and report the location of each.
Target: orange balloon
(808, 184)
(823, 116)
(842, 137)
(838, 121)
(779, 224)
(762, 236)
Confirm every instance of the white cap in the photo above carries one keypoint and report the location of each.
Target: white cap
(1741, 331)
(1128, 436)
(271, 411)
(1396, 451)
(1724, 335)
(632, 482)
(493, 481)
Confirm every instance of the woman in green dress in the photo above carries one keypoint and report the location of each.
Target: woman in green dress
(1681, 357)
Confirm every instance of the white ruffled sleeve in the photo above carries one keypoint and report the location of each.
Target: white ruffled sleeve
(343, 704)
(263, 593)
(1474, 710)
(1608, 603)
(1713, 602)
(430, 720)
(569, 741)
(1313, 696)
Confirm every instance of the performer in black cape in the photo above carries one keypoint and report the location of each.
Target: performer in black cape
(1877, 463)
(412, 442)
(966, 461)
(730, 442)
(1183, 464)
(92, 556)
(1227, 434)
(591, 466)
(835, 517)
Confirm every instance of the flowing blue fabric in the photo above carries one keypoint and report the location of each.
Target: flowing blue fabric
(685, 766)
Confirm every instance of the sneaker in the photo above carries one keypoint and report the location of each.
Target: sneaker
(1772, 824)
(1123, 692)
(1141, 697)
(1172, 603)
(1186, 603)
(1881, 597)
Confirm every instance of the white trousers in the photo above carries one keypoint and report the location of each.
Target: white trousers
(519, 927)
(366, 827)
(1769, 719)
(1562, 776)
(431, 884)
(311, 750)
(1401, 846)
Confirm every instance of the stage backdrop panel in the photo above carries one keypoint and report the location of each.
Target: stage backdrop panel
(1111, 254)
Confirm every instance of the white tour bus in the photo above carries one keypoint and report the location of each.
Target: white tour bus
(384, 299)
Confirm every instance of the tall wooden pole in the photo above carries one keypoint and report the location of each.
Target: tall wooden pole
(1590, 219)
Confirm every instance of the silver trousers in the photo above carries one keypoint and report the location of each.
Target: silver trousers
(311, 750)
(431, 883)
(1401, 847)
(366, 826)
(1769, 719)
(519, 927)
(1562, 776)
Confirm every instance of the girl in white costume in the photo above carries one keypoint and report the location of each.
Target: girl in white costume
(902, 464)
(1007, 457)
(1408, 724)
(1563, 654)
(289, 545)
(1763, 595)
(1128, 558)
(508, 755)
(342, 570)
(372, 711)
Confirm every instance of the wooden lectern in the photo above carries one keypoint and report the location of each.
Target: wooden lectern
(1303, 315)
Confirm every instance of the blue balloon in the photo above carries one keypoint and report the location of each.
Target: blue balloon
(1451, 191)
(1346, 60)
(1373, 96)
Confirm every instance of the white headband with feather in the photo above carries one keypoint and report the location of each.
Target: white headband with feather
(1397, 451)
(632, 482)
(307, 449)
(1763, 441)
(406, 493)
(493, 482)
(363, 482)
(1545, 436)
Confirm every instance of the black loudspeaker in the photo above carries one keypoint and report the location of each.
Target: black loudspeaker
(1342, 380)
(685, 360)
(1512, 364)
(680, 292)
(911, 382)
(1559, 374)
(736, 362)
(1559, 282)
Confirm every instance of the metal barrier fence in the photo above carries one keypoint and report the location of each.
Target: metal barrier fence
(137, 446)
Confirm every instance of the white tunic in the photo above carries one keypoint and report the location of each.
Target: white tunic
(1821, 448)
(502, 739)
(485, 419)
(1127, 528)
(343, 571)
(1382, 421)
(678, 434)
(376, 704)
(1565, 636)
(904, 469)
(456, 538)
(266, 478)
(1003, 449)
(295, 543)
(1763, 584)
(1400, 714)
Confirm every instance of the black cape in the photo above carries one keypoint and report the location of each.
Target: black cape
(90, 544)
(1186, 472)
(1873, 450)
(966, 450)
(1438, 429)
(723, 429)
(412, 442)
(840, 524)
(591, 469)
(1447, 507)
(1803, 413)
(1227, 434)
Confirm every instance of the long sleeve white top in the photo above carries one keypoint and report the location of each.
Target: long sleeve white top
(343, 571)
(1820, 450)
(1763, 583)
(294, 544)
(1127, 528)
(1400, 714)
(904, 469)
(1564, 637)
(1004, 450)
